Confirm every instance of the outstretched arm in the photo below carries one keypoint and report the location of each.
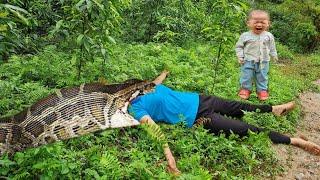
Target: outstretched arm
(172, 167)
(161, 77)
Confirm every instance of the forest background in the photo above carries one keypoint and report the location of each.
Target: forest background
(51, 44)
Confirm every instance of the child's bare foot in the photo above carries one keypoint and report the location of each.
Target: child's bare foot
(282, 109)
(306, 145)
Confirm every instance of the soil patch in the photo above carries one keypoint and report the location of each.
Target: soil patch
(299, 164)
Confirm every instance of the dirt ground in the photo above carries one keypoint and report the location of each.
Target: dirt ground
(298, 164)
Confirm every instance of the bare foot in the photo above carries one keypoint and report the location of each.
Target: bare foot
(303, 137)
(282, 109)
(306, 145)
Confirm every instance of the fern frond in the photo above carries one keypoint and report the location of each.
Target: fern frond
(202, 120)
(111, 164)
(155, 132)
(23, 175)
(92, 173)
(4, 74)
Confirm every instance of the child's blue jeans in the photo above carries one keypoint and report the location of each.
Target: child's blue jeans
(254, 71)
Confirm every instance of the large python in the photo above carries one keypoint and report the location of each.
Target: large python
(69, 113)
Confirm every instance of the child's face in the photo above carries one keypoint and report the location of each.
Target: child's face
(258, 22)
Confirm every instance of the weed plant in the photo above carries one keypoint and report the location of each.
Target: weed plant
(129, 153)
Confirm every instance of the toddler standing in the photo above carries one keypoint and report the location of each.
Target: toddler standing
(253, 50)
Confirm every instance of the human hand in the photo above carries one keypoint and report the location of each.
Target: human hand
(172, 168)
(165, 72)
(241, 61)
(161, 77)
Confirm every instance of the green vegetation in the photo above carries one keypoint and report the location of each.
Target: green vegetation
(45, 46)
(298, 30)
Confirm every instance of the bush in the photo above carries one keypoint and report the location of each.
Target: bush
(284, 53)
(179, 21)
(300, 30)
(303, 37)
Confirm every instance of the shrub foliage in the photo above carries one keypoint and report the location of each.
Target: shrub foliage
(45, 45)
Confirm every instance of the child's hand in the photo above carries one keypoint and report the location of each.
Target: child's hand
(241, 61)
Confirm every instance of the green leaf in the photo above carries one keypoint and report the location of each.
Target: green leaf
(7, 162)
(86, 45)
(92, 172)
(19, 157)
(89, 5)
(103, 52)
(20, 16)
(80, 3)
(111, 40)
(58, 24)
(206, 29)
(90, 40)
(99, 4)
(3, 14)
(79, 39)
(40, 165)
(16, 8)
(57, 27)
(72, 166)
(65, 170)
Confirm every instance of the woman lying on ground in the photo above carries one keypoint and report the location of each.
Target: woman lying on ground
(166, 105)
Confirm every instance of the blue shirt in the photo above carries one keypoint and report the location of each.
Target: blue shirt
(166, 105)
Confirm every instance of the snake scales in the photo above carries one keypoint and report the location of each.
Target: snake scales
(69, 113)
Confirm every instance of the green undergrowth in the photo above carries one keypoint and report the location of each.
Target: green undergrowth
(128, 153)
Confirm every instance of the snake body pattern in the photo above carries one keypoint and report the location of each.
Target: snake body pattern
(70, 113)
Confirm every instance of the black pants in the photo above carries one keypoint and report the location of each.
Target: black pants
(214, 108)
